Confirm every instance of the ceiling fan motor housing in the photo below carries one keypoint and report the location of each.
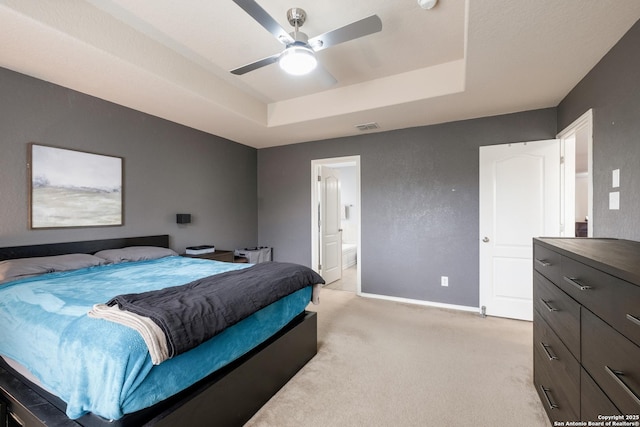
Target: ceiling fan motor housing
(299, 38)
(296, 16)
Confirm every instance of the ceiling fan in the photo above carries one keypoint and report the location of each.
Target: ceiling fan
(298, 56)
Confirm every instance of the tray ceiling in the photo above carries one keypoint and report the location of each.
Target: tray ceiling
(460, 60)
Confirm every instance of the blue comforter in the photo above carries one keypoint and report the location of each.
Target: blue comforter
(102, 367)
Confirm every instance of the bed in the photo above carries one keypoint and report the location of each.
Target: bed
(225, 387)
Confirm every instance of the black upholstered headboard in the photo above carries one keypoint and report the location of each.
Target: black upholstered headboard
(85, 247)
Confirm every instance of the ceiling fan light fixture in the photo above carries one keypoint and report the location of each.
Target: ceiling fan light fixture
(298, 59)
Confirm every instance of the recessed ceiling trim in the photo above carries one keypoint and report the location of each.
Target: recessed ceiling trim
(430, 82)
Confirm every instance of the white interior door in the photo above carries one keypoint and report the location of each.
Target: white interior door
(330, 231)
(519, 200)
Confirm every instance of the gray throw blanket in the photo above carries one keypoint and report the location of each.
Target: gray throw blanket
(193, 313)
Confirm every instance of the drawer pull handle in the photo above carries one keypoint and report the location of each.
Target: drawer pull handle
(634, 319)
(543, 263)
(546, 304)
(547, 398)
(577, 284)
(546, 350)
(616, 376)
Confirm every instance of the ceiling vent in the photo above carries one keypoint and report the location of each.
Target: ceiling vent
(368, 126)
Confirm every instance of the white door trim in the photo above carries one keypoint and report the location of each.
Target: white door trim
(315, 252)
(584, 121)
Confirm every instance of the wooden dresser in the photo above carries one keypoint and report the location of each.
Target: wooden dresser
(586, 328)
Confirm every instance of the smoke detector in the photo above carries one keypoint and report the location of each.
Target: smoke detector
(427, 4)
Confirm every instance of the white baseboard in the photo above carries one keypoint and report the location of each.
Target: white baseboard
(421, 302)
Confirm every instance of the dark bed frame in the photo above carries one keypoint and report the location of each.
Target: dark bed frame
(228, 397)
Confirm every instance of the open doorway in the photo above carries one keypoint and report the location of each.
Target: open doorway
(577, 181)
(348, 169)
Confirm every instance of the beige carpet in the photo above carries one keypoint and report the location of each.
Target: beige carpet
(348, 282)
(382, 363)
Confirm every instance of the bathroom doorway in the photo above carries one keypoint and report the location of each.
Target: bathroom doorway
(349, 188)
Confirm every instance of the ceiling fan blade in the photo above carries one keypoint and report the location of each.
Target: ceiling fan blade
(364, 27)
(255, 65)
(264, 19)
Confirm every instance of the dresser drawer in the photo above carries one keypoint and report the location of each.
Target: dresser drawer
(593, 401)
(553, 397)
(547, 262)
(558, 361)
(615, 301)
(613, 361)
(559, 310)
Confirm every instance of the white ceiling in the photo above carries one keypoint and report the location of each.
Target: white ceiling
(460, 60)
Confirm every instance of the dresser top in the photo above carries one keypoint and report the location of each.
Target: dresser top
(620, 258)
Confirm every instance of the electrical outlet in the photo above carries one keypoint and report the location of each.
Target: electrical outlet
(444, 280)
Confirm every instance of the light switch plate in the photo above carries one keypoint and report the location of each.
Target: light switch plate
(615, 178)
(614, 200)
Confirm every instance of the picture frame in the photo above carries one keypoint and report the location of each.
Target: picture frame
(70, 188)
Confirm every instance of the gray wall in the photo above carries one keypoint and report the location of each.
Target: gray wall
(169, 168)
(419, 190)
(612, 89)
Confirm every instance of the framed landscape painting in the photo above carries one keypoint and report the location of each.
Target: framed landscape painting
(70, 188)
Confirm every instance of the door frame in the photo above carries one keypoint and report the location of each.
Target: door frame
(315, 200)
(585, 121)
